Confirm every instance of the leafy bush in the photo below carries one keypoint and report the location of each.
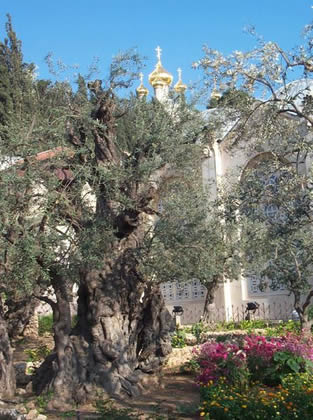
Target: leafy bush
(283, 329)
(255, 357)
(179, 339)
(43, 400)
(241, 325)
(191, 366)
(197, 330)
(40, 353)
(292, 399)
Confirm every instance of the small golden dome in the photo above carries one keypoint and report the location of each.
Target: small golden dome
(141, 90)
(215, 94)
(160, 76)
(180, 87)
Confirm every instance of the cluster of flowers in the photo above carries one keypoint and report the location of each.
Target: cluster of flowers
(266, 347)
(252, 353)
(290, 400)
(214, 359)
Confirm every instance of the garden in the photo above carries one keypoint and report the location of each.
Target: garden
(237, 370)
(252, 375)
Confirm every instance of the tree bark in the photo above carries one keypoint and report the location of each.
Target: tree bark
(18, 315)
(122, 337)
(124, 329)
(51, 374)
(7, 373)
(303, 312)
(209, 299)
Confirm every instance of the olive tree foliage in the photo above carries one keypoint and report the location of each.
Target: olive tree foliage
(32, 119)
(273, 117)
(86, 212)
(16, 101)
(190, 239)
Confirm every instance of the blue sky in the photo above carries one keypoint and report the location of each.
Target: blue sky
(78, 31)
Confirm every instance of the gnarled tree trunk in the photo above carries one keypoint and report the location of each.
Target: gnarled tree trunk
(122, 337)
(207, 315)
(19, 313)
(124, 329)
(7, 373)
(302, 309)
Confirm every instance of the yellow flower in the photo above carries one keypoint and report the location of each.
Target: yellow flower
(244, 406)
(225, 409)
(202, 414)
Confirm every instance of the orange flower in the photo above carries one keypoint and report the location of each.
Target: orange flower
(271, 394)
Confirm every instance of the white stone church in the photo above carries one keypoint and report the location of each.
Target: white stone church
(232, 296)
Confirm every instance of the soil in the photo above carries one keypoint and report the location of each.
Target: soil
(177, 396)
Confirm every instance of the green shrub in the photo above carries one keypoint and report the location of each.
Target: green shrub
(45, 324)
(40, 353)
(179, 339)
(42, 401)
(271, 330)
(252, 324)
(191, 366)
(283, 328)
(197, 330)
(241, 325)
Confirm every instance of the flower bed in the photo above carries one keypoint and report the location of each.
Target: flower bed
(290, 400)
(256, 377)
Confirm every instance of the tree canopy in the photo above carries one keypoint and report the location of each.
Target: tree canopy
(272, 201)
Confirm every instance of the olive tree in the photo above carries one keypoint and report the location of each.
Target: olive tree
(86, 212)
(272, 114)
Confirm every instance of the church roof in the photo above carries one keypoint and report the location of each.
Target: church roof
(221, 120)
(296, 91)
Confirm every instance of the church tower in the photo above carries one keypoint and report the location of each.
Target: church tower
(141, 90)
(180, 87)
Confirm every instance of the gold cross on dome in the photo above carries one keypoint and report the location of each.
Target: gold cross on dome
(141, 77)
(179, 71)
(214, 82)
(158, 51)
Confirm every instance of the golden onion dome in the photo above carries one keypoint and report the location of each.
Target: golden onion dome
(215, 94)
(180, 87)
(160, 76)
(141, 90)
